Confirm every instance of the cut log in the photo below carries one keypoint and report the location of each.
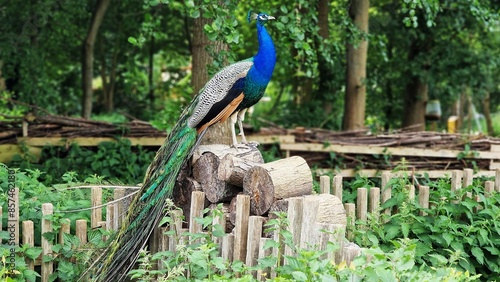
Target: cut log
(330, 208)
(232, 169)
(247, 152)
(183, 190)
(205, 172)
(206, 165)
(285, 178)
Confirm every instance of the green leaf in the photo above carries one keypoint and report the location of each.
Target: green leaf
(373, 239)
(33, 252)
(391, 232)
(478, 254)
(405, 228)
(132, 40)
(448, 237)
(299, 276)
(493, 250)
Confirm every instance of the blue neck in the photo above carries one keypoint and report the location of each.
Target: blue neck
(265, 60)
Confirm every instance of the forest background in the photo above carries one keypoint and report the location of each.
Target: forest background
(342, 65)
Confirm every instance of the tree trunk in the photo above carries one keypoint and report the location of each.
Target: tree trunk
(354, 109)
(415, 102)
(88, 56)
(219, 133)
(487, 114)
(325, 69)
(108, 83)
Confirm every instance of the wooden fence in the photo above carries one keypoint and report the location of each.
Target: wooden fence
(245, 242)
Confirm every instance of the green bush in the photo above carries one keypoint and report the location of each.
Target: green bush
(455, 225)
(115, 161)
(201, 262)
(68, 203)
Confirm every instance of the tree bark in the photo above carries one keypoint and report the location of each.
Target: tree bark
(88, 56)
(108, 87)
(487, 114)
(205, 172)
(415, 101)
(276, 180)
(354, 109)
(219, 133)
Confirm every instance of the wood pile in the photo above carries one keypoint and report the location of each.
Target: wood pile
(60, 126)
(420, 139)
(363, 153)
(362, 150)
(223, 173)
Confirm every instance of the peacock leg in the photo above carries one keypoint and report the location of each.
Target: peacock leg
(241, 118)
(234, 117)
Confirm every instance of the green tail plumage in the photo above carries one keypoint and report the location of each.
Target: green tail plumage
(147, 208)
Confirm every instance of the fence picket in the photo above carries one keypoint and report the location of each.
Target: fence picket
(176, 228)
(374, 203)
(65, 228)
(119, 214)
(362, 204)
(423, 198)
(29, 239)
(337, 186)
(295, 210)
(309, 214)
(241, 227)
(456, 178)
(253, 240)
(48, 266)
(96, 200)
(497, 180)
(386, 189)
(81, 231)
(228, 247)
(197, 205)
(350, 210)
(324, 184)
(262, 274)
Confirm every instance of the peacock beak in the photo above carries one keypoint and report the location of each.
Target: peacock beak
(271, 18)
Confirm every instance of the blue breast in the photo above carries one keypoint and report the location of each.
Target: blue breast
(260, 73)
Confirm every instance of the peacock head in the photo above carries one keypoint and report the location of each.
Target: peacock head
(261, 18)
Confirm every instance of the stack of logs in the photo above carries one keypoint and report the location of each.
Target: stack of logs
(223, 172)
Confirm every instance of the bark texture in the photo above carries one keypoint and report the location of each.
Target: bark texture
(88, 56)
(354, 110)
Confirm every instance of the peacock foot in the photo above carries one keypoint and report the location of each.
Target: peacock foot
(254, 144)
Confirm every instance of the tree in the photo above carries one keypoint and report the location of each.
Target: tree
(355, 96)
(88, 56)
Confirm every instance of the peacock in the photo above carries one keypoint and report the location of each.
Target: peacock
(228, 94)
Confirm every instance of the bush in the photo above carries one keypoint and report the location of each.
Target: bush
(456, 225)
(114, 161)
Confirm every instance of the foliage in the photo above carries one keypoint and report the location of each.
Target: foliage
(201, 261)
(143, 52)
(68, 204)
(115, 161)
(389, 258)
(37, 67)
(456, 225)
